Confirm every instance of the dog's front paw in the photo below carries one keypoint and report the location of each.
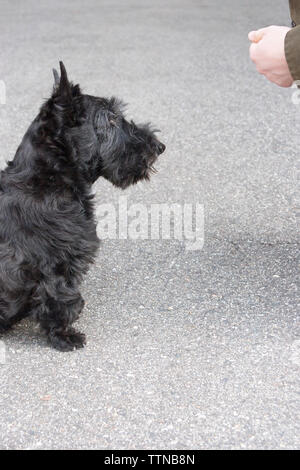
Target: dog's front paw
(67, 340)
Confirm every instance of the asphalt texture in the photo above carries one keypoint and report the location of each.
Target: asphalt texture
(186, 349)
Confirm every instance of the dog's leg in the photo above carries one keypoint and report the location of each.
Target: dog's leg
(56, 314)
(57, 321)
(11, 313)
(5, 323)
(4, 326)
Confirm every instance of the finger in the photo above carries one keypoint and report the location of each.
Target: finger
(256, 36)
(252, 36)
(284, 82)
(253, 52)
(262, 71)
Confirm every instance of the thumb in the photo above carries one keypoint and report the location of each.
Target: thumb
(256, 36)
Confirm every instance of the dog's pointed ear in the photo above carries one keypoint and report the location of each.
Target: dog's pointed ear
(56, 78)
(65, 97)
(64, 88)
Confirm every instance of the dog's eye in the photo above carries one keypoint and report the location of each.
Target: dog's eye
(112, 122)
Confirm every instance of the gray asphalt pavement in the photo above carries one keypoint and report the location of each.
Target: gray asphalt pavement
(186, 349)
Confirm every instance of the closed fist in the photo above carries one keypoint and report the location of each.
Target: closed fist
(267, 52)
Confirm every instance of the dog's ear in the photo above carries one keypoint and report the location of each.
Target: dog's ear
(64, 88)
(56, 78)
(65, 97)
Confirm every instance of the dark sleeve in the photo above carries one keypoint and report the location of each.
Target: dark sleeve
(292, 41)
(295, 11)
(292, 51)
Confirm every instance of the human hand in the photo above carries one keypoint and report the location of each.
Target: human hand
(267, 52)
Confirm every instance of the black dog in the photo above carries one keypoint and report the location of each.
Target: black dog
(47, 227)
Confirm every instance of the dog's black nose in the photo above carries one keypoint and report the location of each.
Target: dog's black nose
(161, 148)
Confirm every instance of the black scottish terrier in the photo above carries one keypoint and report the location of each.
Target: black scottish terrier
(47, 226)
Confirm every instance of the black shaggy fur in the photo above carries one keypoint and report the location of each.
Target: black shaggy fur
(47, 227)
